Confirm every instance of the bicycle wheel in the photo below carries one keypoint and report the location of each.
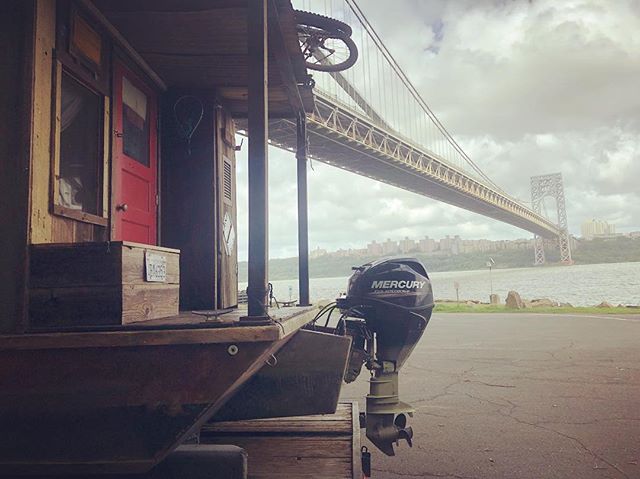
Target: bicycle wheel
(327, 52)
(326, 43)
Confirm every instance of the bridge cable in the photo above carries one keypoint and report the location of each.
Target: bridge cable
(416, 95)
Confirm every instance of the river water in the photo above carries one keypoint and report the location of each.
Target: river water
(580, 285)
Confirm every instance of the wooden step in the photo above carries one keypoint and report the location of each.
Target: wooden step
(301, 447)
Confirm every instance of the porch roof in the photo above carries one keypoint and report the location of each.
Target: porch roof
(203, 44)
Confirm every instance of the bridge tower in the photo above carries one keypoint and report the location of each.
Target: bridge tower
(541, 187)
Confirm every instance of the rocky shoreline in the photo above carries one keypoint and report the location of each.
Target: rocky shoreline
(515, 301)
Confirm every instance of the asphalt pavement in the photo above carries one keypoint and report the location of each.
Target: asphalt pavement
(519, 396)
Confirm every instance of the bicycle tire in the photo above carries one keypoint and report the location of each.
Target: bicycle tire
(320, 21)
(337, 67)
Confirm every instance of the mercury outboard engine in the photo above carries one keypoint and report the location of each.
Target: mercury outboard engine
(388, 305)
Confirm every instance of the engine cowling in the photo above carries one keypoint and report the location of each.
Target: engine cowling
(395, 298)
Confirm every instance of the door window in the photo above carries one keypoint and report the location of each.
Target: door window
(135, 123)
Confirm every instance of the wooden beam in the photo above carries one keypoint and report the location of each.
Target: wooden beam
(168, 6)
(258, 161)
(139, 338)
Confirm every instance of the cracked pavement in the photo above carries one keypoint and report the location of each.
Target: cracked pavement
(519, 396)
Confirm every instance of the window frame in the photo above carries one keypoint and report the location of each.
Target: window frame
(96, 78)
(103, 177)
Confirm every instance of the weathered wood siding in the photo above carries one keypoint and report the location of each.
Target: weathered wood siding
(41, 228)
(46, 227)
(99, 284)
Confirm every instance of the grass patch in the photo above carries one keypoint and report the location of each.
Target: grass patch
(500, 308)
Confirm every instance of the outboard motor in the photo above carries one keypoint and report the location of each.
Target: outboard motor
(387, 306)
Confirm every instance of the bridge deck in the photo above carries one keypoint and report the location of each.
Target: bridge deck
(342, 138)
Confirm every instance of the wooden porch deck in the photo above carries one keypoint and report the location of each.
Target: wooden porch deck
(185, 328)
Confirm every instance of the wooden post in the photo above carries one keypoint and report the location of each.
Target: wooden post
(258, 163)
(303, 222)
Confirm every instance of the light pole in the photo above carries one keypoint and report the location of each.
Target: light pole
(490, 264)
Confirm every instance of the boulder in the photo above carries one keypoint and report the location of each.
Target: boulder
(604, 304)
(514, 301)
(542, 303)
(566, 305)
(494, 299)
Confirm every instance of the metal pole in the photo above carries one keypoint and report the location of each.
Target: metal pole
(258, 130)
(303, 222)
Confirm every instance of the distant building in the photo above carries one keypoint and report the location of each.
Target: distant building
(389, 247)
(317, 253)
(456, 245)
(444, 244)
(427, 245)
(594, 228)
(374, 249)
(406, 245)
(451, 245)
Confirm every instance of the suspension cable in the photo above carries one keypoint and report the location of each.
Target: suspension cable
(414, 92)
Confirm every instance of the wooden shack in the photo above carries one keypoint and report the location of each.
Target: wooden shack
(119, 222)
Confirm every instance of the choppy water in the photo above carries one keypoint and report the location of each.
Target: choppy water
(581, 285)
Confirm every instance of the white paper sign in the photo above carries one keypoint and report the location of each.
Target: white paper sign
(155, 267)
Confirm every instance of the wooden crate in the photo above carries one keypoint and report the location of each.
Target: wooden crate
(321, 447)
(85, 284)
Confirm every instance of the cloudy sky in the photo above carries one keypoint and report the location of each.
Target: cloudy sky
(525, 87)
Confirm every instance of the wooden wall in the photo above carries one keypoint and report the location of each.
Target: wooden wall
(46, 227)
(188, 200)
(16, 40)
(193, 203)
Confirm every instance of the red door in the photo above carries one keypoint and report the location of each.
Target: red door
(135, 159)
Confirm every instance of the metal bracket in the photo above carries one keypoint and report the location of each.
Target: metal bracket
(233, 146)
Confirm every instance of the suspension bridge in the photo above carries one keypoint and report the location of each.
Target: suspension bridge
(372, 121)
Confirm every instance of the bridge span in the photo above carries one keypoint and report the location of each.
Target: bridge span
(344, 138)
(370, 119)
